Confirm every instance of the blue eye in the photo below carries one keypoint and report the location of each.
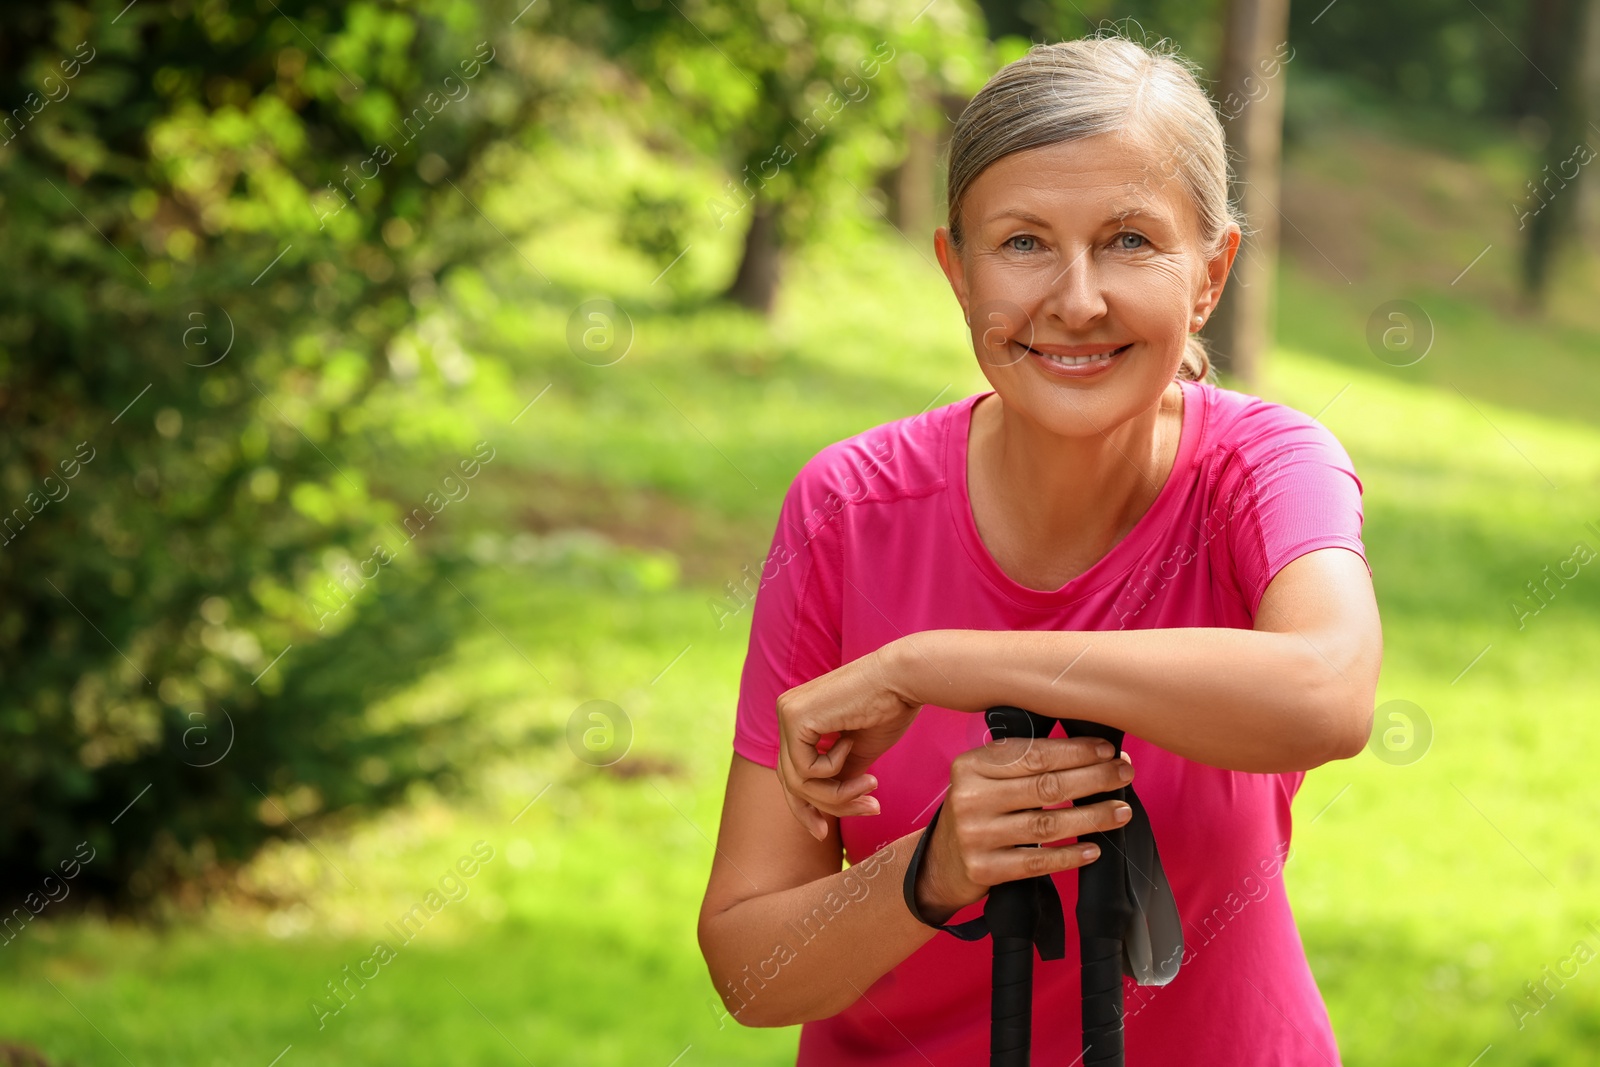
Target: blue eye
(1121, 237)
(1021, 237)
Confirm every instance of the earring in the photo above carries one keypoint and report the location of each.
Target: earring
(1199, 321)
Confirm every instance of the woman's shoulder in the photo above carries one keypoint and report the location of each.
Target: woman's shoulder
(891, 461)
(1244, 426)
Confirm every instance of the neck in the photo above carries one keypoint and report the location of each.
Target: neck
(1085, 492)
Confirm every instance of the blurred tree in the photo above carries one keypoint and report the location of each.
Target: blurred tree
(229, 412)
(1250, 97)
(1016, 18)
(1439, 55)
(912, 184)
(782, 91)
(1193, 25)
(1548, 210)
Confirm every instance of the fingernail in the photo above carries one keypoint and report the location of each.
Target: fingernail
(1090, 851)
(1103, 750)
(1121, 813)
(872, 806)
(1125, 772)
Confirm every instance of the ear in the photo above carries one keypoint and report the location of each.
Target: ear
(1217, 269)
(954, 269)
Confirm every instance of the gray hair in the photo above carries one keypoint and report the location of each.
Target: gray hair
(1078, 89)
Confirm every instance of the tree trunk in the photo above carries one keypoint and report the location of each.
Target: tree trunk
(1241, 326)
(755, 286)
(1549, 205)
(914, 198)
(914, 194)
(1532, 93)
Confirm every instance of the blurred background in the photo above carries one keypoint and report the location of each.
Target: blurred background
(397, 400)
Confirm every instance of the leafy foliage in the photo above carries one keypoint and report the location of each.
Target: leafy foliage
(229, 227)
(796, 99)
(1468, 59)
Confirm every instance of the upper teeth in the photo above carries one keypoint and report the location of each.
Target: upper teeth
(1076, 361)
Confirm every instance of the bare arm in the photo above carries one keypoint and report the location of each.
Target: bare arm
(1295, 692)
(787, 935)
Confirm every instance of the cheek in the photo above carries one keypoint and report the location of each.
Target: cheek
(1154, 298)
(1000, 302)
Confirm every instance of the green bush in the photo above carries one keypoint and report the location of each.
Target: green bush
(225, 382)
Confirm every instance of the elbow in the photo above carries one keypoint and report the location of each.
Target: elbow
(1348, 735)
(748, 998)
(752, 1000)
(757, 1003)
(744, 1002)
(1343, 712)
(738, 1005)
(722, 975)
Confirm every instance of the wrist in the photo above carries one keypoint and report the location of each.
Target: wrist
(930, 904)
(939, 896)
(898, 663)
(928, 665)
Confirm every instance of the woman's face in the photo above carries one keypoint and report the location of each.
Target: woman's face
(1082, 249)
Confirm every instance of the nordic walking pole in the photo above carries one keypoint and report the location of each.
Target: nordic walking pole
(1012, 913)
(1105, 909)
(1128, 921)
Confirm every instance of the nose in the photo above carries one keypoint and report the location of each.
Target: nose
(1075, 296)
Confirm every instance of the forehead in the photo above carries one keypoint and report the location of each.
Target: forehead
(1108, 175)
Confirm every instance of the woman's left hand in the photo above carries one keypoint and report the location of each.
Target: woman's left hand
(859, 702)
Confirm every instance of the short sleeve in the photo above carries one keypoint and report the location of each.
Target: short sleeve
(795, 624)
(1290, 489)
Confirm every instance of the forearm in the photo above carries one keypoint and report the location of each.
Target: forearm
(809, 952)
(1246, 700)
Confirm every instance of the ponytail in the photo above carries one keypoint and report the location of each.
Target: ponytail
(1196, 364)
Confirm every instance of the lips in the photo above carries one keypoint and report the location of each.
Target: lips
(1080, 360)
(1074, 361)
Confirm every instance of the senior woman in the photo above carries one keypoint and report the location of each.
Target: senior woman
(1107, 535)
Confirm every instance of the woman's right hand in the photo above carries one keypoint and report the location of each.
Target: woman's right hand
(989, 811)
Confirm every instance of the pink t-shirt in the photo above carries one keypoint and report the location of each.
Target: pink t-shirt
(876, 539)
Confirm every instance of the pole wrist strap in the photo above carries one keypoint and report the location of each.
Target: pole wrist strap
(1049, 933)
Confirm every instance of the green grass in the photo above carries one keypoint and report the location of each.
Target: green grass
(1427, 894)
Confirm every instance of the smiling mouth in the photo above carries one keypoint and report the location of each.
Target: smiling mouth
(1078, 361)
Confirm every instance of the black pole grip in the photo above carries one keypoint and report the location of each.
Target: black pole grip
(1011, 997)
(1104, 911)
(1011, 914)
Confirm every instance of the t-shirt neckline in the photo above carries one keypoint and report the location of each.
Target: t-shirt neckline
(1109, 567)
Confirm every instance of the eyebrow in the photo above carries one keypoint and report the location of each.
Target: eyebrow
(1016, 213)
(1138, 209)
(1119, 213)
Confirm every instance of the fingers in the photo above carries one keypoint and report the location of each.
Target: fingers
(814, 822)
(1016, 757)
(978, 834)
(806, 762)
(804, 813)
(1000, 800)
(814, 816)
(811, 799)
(1057, 824)
(1013, 864)
(990, 855)
(839, 798)
(1057, 787)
